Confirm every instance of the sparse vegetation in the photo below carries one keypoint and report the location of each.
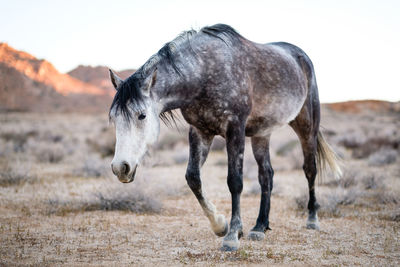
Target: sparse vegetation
(383, 157)
(69, 209)
(11, 175)
(170, 139)
(18, 139)
(103, 143)
(333, 202)
(52, 153)
(92, 167)
(348, 179)
(123, 200)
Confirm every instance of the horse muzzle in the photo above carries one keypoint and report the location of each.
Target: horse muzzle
(124, 172)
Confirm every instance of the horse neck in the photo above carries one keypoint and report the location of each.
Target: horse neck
(177, 90)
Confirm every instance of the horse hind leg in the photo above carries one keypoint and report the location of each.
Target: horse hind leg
(306, 126)
(260, 146)
(199, 147)
(310, 170)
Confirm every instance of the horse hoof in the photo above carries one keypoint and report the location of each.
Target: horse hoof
(230, 245)
(312, 225)
(256, 236)
(221, 228)
(231, 242)
(223, 232)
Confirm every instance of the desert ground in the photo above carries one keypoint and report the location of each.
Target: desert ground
(61, 205)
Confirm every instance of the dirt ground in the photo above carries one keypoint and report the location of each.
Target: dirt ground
(60, 205)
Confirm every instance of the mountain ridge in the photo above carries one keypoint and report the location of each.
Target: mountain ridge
(31, 84)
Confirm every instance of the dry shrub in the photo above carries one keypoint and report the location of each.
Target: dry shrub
(104, 143)
(348, 179)
(330, 202)
(50, 137)
(136, 202)
(92, 167)
(6, 148)
(301, 202)
(170, 139)
(371, 181)
(352, 140)
(12, 175)
(382, 157)
(386, 197)
(52, 153)
(122, 199)
(395, 216)
(362, 147)
(18, 139)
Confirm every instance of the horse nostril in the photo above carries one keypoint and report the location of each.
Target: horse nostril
(125, 168)
(113, 170)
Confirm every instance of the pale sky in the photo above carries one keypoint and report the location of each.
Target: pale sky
(354, 45)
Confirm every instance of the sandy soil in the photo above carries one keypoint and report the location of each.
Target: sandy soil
(43, 221)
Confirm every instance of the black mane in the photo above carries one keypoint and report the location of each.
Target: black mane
(130, 89)
(222, 30)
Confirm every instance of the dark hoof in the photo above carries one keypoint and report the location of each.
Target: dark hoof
(256, 236)
(225, 231)
(313, 222)
(313, 225)
(230, 245)
(231, 242)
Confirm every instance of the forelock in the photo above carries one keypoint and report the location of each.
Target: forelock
(129, 97)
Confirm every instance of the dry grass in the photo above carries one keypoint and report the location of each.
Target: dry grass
(72, 211)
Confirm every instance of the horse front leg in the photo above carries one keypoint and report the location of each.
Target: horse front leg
(199, 146)
(235, 140)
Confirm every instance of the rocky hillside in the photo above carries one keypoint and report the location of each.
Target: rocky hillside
(31, 84)
(98, 76)
(365, 105)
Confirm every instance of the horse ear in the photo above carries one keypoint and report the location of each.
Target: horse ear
(116, 81)
(150, 83)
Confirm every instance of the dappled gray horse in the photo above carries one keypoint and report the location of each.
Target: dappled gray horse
(224, 85)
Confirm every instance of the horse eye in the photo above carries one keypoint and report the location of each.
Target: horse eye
(142, 116)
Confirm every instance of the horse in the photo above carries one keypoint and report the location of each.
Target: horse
(223, 85)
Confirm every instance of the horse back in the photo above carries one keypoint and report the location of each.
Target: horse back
(280, 86)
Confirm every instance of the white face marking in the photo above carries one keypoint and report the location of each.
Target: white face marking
(134, 137)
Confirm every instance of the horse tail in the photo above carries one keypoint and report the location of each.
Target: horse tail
(326, 157)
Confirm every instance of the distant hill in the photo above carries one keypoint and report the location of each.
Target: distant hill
(98, 76)
(359, 106)
(31, 84)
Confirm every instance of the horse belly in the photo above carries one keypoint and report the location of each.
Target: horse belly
(273, 113)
